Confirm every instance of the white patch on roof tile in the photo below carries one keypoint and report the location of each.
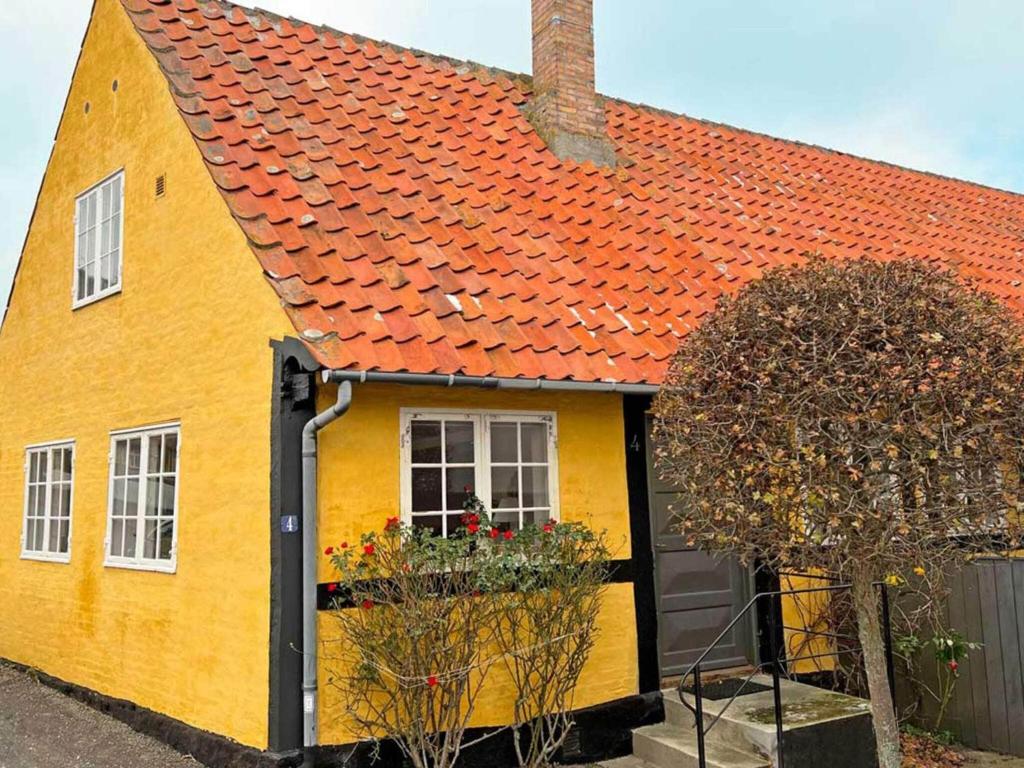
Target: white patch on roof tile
(477, 302)
(313, 334)
(624, 321)
(378, 317)
(454, 301)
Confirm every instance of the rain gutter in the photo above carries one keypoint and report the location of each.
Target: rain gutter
(488, 382)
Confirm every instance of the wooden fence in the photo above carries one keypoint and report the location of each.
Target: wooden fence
(986, 605)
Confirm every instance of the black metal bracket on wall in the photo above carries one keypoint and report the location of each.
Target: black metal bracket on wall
(645, 601)
(293, 403)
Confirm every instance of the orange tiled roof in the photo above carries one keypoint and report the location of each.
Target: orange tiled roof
(411, 219)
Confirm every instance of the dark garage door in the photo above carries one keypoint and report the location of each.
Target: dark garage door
(698, 595)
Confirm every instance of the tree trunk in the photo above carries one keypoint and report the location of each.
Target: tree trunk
(883, 715)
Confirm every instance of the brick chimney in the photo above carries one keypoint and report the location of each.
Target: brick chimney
(566, 110)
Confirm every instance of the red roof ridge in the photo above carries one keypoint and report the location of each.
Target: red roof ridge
(478, 68)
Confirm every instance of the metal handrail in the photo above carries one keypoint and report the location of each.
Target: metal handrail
(750, 603)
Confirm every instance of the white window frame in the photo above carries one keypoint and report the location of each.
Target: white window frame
(46, 555)
(96, 188)
(140, 562)
(481, 419)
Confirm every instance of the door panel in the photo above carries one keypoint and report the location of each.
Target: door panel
(698, 595)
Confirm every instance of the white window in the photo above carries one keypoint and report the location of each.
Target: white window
(99, 229)
(509, 460)
(49, 473)
(142, 523)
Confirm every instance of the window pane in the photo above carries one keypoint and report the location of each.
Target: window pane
(535, 442)
(131, 531)
(131, 507)
(426, 489)
(504, 487)
(32, 492)
(458, 442)
(106, 191)
(454, 523)
(104, 239)
(115, 266)
(55, 501)
(105, 281)
(152, 496)
(116, 196)
(149, 543)
(166, 539)
(43, 467)
(41, 501)
(120, 457)
(430, 522)
(535, 487)
(117, 506)
(90, 210)
(153, 459)
(504, 442)
(51, 544)
(65, 463)
(426, 442)
(167, 497)
(459, 479)
(37, 544)
(505, 520)
(134, 455)
(537, 516)
(170, 453)
(63, 539)
(116, 537)
(65, 500)
(33, 466)
(30, 534)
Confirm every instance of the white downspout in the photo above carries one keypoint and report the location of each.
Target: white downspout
(310, 553)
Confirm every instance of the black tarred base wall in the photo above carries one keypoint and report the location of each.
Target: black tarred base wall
(601, 732)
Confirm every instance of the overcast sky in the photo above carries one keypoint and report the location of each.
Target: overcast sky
(933, 84)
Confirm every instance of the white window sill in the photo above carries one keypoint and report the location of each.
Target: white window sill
(78, 304)
(157, 566)
(47, 557)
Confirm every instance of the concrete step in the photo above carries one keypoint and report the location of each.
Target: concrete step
(670, 746)
(630, 761)
(812, 719)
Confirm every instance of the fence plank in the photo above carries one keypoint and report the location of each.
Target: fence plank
(993, 655)
(962, 717)
(976, 659)
(1013, 695)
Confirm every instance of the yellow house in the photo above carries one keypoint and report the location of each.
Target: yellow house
(246, 217)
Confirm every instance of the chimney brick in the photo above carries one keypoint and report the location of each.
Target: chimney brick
(565, 109)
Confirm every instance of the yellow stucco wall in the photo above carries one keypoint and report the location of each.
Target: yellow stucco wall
(359, 490)
(186, 340)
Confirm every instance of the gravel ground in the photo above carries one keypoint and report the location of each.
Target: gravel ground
(41, 728)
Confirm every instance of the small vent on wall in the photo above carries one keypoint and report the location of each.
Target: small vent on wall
(161, 185)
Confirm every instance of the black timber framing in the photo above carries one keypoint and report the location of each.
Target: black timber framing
(293, 404)
(645, 599)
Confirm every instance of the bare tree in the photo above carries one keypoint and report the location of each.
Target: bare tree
(858, 417)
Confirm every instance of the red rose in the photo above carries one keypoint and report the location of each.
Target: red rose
(329, 551)
(509, 535)
(494, 533)
(369, 549)
(392, 524)
(552, 521)
(344, 545)
(367, 604)
(549, 528)
(953, 665)
(473, 528)
(331, 587)
(431, 681)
